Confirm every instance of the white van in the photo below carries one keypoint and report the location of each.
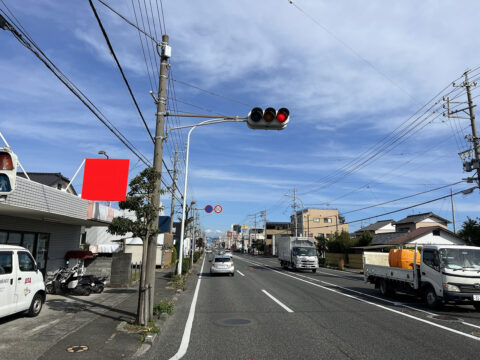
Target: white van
(21, 283)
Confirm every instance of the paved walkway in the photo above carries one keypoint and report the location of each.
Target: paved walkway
(87, 322)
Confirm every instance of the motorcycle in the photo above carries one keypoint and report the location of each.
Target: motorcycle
(70, 280)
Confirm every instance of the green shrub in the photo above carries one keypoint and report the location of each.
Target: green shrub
(164, 306)
(185, 265)
(196, 256)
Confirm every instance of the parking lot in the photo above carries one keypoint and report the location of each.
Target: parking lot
(29, 338)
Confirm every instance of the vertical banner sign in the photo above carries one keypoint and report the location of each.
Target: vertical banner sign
(229, 234)
(105, 179)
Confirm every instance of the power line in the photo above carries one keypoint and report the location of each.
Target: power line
(212, 93)
(109, 44)
(465, 191)
(128, 21)
(402, 198)
(72, 87)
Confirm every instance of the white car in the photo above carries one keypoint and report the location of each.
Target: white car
(222, 264)
(21, 283)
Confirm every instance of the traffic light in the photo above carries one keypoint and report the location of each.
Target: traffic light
(8, 171)
(270, 119)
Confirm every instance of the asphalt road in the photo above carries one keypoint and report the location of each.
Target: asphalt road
(265, 312)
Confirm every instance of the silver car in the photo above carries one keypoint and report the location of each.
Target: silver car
(222, 264)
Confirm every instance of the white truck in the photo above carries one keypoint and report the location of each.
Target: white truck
(299, 253)
(446, 274)
(21, 283)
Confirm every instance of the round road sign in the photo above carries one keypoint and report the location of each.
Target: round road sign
(218, 209)
(208, 209)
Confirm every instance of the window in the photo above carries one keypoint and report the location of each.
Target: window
(321, 235)
(3, 237)
(327, 220)
(436, 232)
(5, 263)
(316, 219)
(25, 261)
(14, 238)
(431, 259)
(59, 186)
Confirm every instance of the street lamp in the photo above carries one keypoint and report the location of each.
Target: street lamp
(193, 127)
(101, 152)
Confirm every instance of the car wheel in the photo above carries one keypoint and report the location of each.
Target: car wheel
(36, 305)
(431, 298)
(385, 288)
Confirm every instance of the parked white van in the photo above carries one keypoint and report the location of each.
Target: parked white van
(21, 283)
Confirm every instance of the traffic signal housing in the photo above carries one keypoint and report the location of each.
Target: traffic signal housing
(8, 171)
(268, 119)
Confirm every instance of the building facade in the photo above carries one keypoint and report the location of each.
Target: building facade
(318, 223)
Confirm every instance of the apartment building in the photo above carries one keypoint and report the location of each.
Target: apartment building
(318, 222)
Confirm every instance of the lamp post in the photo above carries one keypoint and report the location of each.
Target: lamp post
(193, 127)
(101, 152)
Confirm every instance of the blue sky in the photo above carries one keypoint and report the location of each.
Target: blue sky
(350, 72)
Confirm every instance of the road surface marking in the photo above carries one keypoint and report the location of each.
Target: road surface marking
(44, 325)
(240, 273)
(374, 304)
(182, 350)
(396, 303)
(278, 301)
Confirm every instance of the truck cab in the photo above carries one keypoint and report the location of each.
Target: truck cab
(453, 271)
(21, 283)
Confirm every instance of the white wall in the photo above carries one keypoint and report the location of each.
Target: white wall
(443, 239)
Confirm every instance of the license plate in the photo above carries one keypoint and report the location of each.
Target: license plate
(476, 297)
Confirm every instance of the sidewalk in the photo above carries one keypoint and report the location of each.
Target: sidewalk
(87, 325)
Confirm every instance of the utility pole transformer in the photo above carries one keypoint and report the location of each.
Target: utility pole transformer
(474, 151)
(157, 165)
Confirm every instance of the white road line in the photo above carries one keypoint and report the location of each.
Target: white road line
(182, 350)
(278, 301)
(374, 304)
(44, 325)
(396, 303)
(240, 273)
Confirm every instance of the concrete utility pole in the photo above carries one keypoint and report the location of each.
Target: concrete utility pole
(264, 215)
(453, 212)
(172, 190)
(157, 165)
(474, 151)
(295, 210)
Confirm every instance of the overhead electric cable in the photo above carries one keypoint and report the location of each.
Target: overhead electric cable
(128, 21)
(110, 47)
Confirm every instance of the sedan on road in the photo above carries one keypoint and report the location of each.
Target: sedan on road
(222, 264)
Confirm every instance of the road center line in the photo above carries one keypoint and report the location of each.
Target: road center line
(277, 301)
(372, 303)
(240, 273)
(182, 350)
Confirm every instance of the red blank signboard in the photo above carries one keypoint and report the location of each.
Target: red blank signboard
(105, 179)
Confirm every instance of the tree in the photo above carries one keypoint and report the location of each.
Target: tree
(321, 245)
(138, 201)
(470, 231)
(340, 243)
(365, 239)
(200, 243)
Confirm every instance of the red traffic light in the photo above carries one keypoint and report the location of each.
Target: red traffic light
(6, 162)
(282, 115)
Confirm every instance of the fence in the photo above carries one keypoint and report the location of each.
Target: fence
(354, 261)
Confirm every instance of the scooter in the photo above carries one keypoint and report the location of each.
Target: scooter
(70, 280)
(100, 283)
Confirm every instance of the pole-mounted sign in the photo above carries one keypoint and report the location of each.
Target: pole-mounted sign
(218, 209)
(208, 209)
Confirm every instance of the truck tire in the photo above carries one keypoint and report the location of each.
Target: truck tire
(476, 306)
(314, 271)
(36, 305)
(385, 288)
(431, 298)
